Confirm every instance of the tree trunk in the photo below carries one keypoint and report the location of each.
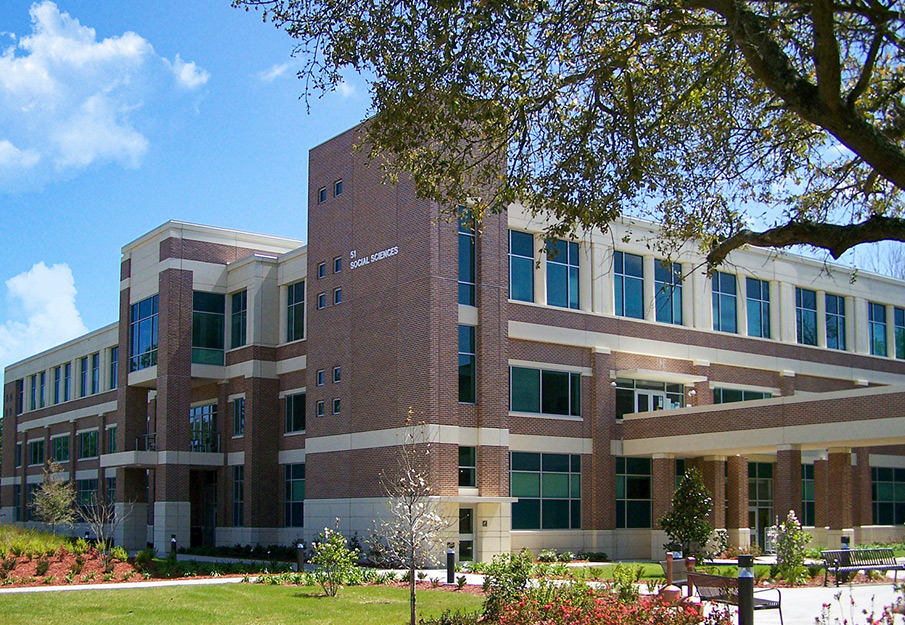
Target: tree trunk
(412, 590)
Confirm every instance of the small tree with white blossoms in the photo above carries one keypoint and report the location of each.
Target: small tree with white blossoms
(790, 542)
(413, 530)
(334, 560)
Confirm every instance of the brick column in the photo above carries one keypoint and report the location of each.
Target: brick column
(737, 500)
(787, 482)
(862, 484)
(662, 486)
(839, 463)
(713, 470)
(820, 493)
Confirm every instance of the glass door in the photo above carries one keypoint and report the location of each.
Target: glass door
(646, 401)
(466, 534)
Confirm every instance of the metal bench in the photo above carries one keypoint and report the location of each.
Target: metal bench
(854, 560)
(679, 571)
(721, 589)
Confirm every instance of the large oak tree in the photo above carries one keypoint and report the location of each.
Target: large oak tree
(705, 115)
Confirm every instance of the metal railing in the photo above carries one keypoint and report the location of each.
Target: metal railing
(146, 442)
(205, 443)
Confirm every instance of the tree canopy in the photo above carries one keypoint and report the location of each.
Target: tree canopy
(730, 122)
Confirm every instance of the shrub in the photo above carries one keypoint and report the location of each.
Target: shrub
(686, 524)
(790, 543)
(565, 556)
(625, 580)
(144, 558)
(547, 555)
(505, 580)
(119, 553)
(41, 566)
(334, 560)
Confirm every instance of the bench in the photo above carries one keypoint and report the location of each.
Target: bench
(854, 560)
(721, 589)
(679, 571)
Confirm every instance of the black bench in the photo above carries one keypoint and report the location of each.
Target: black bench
(721, 589)
(854, 560)
(679, 571)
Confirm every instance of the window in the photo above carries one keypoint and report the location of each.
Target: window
(59, 449)
(319, 377)
(36, 452)
(548, 487)
(207, 328)
(760, 486)
(239, 416)
(321, 270)
(338, 187)
(888, 495)
(467, 467)
(521, 266)
(724, 300)
(835, 321)
(95, 373)
(20, 396)
(337, 264)
(679, 472)
(88, 444)
(322, 195)
(57, 381)
(30, 501)
(467, 365)
(668, 291)
(545, 392)
(86, 493)
(83, 377)
(238, 495)
(466, 257)
(807, 494)
(336, 405)
(18, 454)
(33, 401)
(203, 429)
(876, 315)
(238, 319)
(110, 494)
(643, 396)
(321, 301)
(295, 496)
(338, 296)
(633, 493)
(42, 394)
(628, 271)
(337, 374)
(17, 503)
(67, 381)
(111, 440)
(295, 412)
(806, 316)
(758, 303)
(295, 311)
(562, 273)
(143, 334)
(732, 395)
(899, 329)
(114, 367)
(319, 408)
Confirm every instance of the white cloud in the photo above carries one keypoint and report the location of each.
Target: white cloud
(188, 75)
(345, 89)
(274, 72)
(44, 313)
(69, 100)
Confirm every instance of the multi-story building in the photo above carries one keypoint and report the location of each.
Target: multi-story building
(255, 387)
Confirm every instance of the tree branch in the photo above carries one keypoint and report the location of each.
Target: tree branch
(834, 238)
(826, 54)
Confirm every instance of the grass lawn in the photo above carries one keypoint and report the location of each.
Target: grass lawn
(233, 603)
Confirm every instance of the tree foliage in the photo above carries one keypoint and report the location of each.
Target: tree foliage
(705, 115)
(54, 499)
(333, 558)
(790, 542)
(687, 524)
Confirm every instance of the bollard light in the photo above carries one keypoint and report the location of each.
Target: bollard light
(746, 590)
(173, 546)
(300, 556)
(450, 563)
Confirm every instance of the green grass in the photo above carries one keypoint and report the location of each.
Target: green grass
(235, 604)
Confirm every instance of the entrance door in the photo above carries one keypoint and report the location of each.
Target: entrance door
(646, 401)
(466, 534)
(759, 519)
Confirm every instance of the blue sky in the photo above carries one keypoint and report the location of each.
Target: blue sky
(117, 116)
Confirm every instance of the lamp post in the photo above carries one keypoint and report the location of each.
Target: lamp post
(173, 546)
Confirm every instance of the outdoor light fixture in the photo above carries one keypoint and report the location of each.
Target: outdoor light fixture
(692, 393)
(613, 383)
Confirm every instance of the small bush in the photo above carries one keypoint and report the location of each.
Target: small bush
(77, 565)
(505, 580)
(790, 543)
(565, 556)
(118, 553)
(41, 566)
(625, 580)
(547, 555)
(334, 560)
(144, 559)
(80, 547)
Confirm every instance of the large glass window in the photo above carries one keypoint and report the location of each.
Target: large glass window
(806, 316)
(876, 316)
(521, 266)
(724, 302)
(888, 490)
(562, 273)
(203, 429)
(239, 416)
(467, 467)
(628, 270)
(548, 488)
(88, 444)
(668, 291)
(207, 328)
(17, 503)
(42, 393)
(238, 495)
(67, 381)
(835, 321)
(633, 508)
(33, 397)
(143, 334)
(83, 376)
(111, 440)
(36, 452)
(295, 496)
(758, 304)
(644, 396)
(732, 395)
(114, 367)
(295, 311)
(467, 368)
(807, 494)
(899, 321)
(59, 449)
(57, 381)
(95, 373)
(295, 412)
(238, 319)
(86, 493)
(545, 392)
(466, 257)
(20, 396)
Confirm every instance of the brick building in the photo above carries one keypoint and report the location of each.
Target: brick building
(255, 386)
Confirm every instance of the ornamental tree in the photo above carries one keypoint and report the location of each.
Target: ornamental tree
(54, 499)
(731, 122)
(687, 523)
